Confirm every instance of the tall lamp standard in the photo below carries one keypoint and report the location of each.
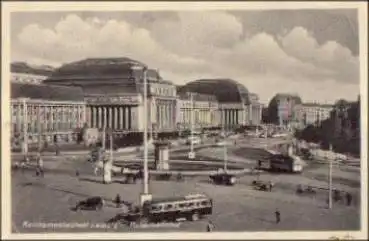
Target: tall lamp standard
(191, 154)
(25, 126)
(330, 178)
(145, 196)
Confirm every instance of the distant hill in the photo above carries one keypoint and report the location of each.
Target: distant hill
(24, 68)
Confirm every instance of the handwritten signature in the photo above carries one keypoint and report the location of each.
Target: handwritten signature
(346, 237)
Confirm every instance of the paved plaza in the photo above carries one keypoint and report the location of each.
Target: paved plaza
(236, 208)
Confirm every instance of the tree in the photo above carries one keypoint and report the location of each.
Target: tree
(342, 129)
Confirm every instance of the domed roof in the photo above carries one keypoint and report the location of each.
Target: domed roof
(225, 90)
(95, 68)
(46, 92)
(104, 75)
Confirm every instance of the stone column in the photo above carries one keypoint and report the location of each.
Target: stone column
(93, 117)
(115, 118)
(105, 116)
(84, 113)
(166, 115)
(99, 117)
(134, 118)
(126, 117)
(121, 118)
(250, 113)
(130, 118)
(110, 116)
(18, 120)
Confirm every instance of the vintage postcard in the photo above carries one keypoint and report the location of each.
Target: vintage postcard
(195, 120)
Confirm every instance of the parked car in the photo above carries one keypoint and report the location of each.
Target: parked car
(195, 140)
(92, 203)
(223, 179)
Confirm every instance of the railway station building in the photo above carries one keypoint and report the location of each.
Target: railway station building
(236, 105)
(113, 90)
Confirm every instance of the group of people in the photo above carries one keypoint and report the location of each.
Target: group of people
(39, 164)
(337, 197)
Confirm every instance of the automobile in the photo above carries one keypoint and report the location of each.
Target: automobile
(92, 203)
(276, 135)
(221, 143)
(223, 179)
(195, 140)
(261, 185)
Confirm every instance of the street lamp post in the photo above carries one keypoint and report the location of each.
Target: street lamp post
(225, 149)
(191, 155)
(25, 127)
(330, 178)
(145, 196)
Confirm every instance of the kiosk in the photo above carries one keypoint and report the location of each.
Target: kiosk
(161, 155)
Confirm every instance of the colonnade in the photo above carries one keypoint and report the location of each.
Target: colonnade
(114, 117)
(165, 115)
(230, 117)
(46, 117)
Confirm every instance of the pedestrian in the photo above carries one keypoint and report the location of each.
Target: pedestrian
(118, 201)
(40, 165)
(348, 199)
(270, 186)
(277, 216)
(77, 173)
(209, 226)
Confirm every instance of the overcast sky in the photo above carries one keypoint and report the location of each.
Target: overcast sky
(313, 53)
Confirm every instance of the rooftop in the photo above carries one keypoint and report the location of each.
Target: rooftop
(46, 92)
(24, 68)
(225, 90)
(185, 95)
(317, 105)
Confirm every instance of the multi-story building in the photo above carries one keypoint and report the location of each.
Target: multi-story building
(237, 106)
(113, 90)
(312, 113)
(281, 109)
(45, 114)
(204, 109)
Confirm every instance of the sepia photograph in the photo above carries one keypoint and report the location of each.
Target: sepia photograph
(184, 119)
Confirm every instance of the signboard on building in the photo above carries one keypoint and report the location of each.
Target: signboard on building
(130, 100)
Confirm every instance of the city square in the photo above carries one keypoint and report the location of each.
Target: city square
(143, 121)
(60, 189)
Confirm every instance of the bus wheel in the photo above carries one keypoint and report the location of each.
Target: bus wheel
(195, 217)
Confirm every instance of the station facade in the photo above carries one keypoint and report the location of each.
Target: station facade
(203, 107)
(114, 94)
(108, 94)
(43, 114)
(236, 106)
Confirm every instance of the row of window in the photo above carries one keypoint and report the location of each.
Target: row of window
(45, 127)
(180, 205)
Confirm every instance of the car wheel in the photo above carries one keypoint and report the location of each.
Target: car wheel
(144, 220)
(195, 217)
(232, 181)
